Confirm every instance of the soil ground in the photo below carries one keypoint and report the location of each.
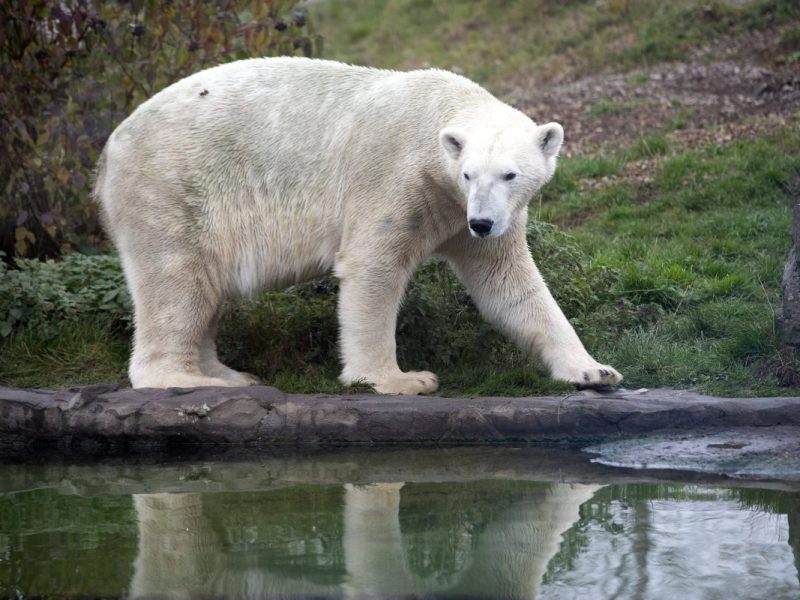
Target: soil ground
(725, 91)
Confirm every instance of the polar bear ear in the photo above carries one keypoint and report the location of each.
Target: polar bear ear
(550, 137)
(452, 140)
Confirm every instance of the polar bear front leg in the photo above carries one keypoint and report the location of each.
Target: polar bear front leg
(502, 279)
(369, 298)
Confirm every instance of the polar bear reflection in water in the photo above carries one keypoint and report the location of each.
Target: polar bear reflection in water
(193, 545)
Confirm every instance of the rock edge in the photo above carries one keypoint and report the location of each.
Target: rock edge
(102, 419)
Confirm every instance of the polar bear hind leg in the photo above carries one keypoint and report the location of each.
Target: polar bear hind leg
(175, 307)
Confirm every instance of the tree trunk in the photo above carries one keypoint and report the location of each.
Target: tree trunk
(789, 313)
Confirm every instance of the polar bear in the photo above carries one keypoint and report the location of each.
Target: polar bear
(266, 172)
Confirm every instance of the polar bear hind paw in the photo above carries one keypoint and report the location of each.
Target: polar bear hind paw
(223, 377)
(242, 380)
(408, 384)
(177, 380)
(239, 379)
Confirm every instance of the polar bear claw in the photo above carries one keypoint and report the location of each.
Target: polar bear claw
(594, 376)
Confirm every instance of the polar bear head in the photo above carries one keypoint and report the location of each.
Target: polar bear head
(498, 166)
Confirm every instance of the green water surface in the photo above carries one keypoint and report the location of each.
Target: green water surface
(479, 523)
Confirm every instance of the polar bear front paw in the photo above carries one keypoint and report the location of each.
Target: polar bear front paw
(409, 384)
(595, 375)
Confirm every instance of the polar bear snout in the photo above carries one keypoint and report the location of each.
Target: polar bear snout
(481, 227)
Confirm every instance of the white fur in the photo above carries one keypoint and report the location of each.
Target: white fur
(266, 172)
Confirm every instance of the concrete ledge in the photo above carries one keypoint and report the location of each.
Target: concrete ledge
(104, 420)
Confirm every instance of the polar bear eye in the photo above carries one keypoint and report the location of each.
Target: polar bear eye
(509, 176)
(466, 176)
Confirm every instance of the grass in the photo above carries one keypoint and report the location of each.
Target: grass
(700, 255)
(496, 42)
(647, 147)
(84, 351)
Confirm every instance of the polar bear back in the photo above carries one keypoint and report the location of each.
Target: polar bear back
(263, 162)
(295, 115)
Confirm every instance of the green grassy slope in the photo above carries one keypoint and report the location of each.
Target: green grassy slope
(699, 254)
(498, 43)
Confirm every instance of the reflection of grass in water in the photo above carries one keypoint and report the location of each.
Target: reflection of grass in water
(70, 545)
(638, 496)
(442, 522)
(769, 500)
(295, 531)
(76, 545)
(598, 512)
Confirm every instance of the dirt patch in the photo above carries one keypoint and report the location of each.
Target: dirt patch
(721, 93)
(640, 173)
(575, 218)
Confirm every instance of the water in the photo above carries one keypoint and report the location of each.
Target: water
(480, 523)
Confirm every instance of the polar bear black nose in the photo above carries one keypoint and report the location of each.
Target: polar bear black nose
(481, 226)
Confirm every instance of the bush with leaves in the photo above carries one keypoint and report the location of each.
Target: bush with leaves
(41, 294)
(73, 69)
